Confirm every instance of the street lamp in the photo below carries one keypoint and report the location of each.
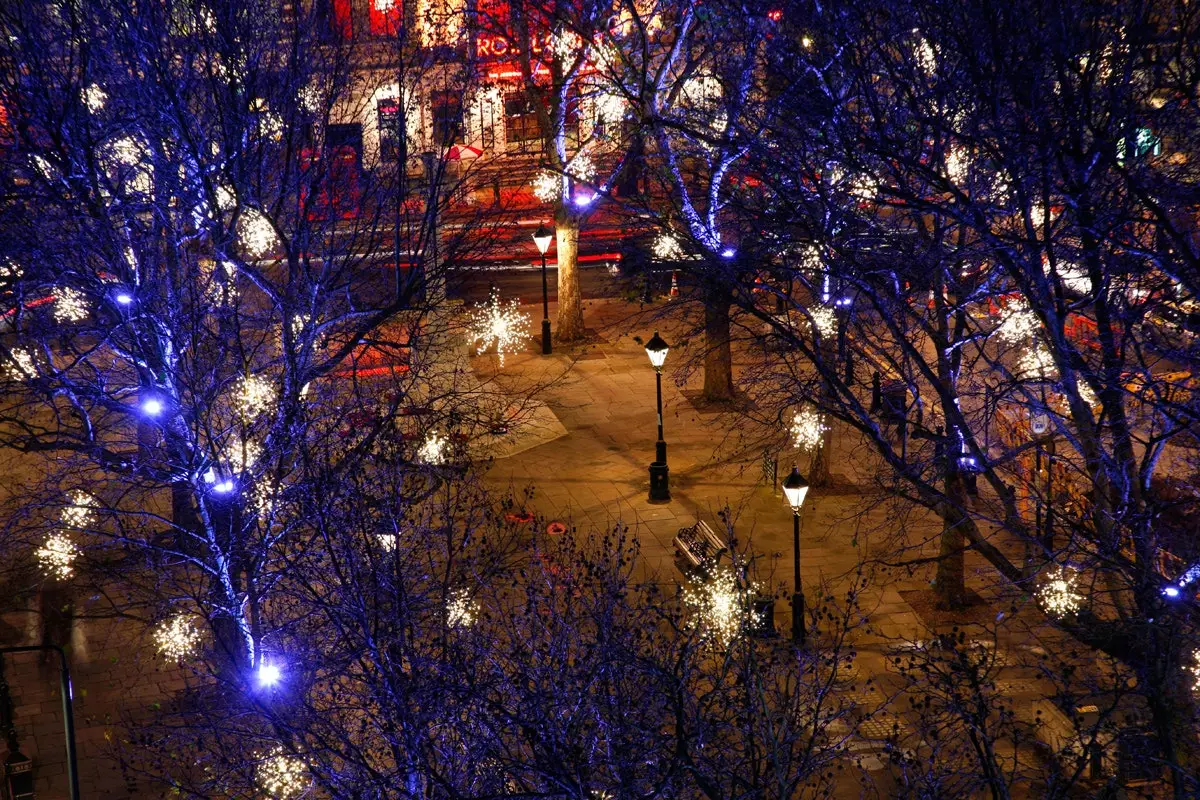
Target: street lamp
(660, 489)
(542, 237)
(68, 696)
(795, 489)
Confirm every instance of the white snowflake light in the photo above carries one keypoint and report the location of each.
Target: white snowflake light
(282, 777)
(1018, 323)
(461, 610)
(667, 247)
(70, 305)
(722, 607)
(824, 320)
(433, 449)
(255, 395)
(499, 324)
(566, 45)
(255, 234)
(1036, 362)
(957, 164)
(547, 186)
(923, 52)
(808, 426)
(10, 271)
(80, 511)
(94, 98)
(1058, 592)
(581, 168)
(20, 366)
(127, 158)
(176, 638)
(243, 455)
(57, 556)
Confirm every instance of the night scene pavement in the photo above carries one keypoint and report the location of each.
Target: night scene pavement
(586, 453)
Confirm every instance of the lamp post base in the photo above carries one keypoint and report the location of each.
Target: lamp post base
(799, 634)
(660, 490)
(546, 349)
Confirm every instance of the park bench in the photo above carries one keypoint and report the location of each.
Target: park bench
(698, 549)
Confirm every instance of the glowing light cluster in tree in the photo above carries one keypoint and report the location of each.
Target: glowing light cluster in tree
(547, 186)
(57, 556)
(94, 98)
(1058, 592)
(957, 164)
(254, 396)
(498, 324)
(177, 638)
(80, 511)
(127, 157)
(433, 450)
(722, 607)
(243, 455)
(667, 247)
(581, 168)
(255, 234)
(566, 45)
(1036, 362)
(20, 366)
(265, 496)
(461, 610)
(282, 777)
(808, 426)
(70, 305)
(1018, 323)
(824, 320)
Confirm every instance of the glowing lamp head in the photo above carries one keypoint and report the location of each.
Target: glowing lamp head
(795, 488)
(1171, 592)
(269, 675)
(152, 407)
(728, 252)
(223, 487)
(657, 349)
(542, 237)
(584, 200)
(124, 298)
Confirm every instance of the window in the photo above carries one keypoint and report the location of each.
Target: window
(520, 122)
(390, 121)
(386, 17)
(1145, 143)
(446, 109)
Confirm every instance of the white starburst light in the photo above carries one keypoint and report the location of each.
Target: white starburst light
(1058, 592)
(722, 607)
(547, 186)
(70, 305)
(461, 610)
(499, 324)
(177, 638)
(57, 556)
(281, 776)
(808, 426)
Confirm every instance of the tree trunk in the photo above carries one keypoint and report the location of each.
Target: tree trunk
(951, 570)
(569, 325)
(718, 359)
(818, 470)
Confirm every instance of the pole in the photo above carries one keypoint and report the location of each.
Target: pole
(64, 677)
(798, 631)
(660, 447)
(660, 488)
(546, 347)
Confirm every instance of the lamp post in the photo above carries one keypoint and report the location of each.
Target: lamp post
(64, 677)
(660, 490)
(542, 237)
(795, 488)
